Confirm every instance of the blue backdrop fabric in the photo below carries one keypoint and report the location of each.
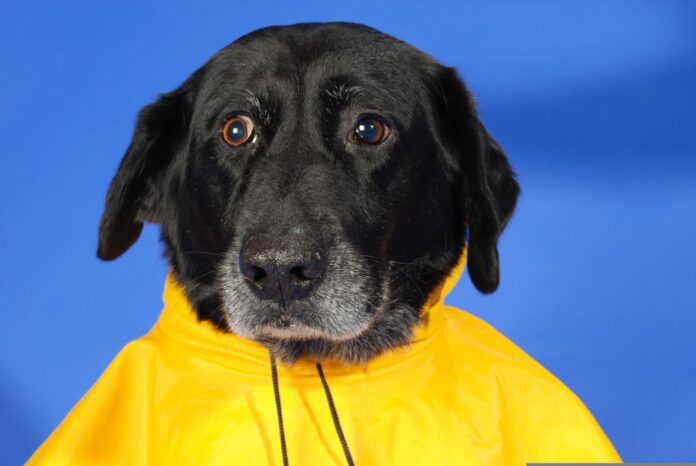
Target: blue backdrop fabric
(594, 102)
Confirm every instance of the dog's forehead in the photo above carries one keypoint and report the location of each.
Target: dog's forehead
(318, 58)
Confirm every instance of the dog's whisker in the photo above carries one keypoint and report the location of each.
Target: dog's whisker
(217, 254)
(398, 270)
(197, 284)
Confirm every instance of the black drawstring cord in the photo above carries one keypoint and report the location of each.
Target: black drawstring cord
(332, 407)
(279, 410)
(334, 415)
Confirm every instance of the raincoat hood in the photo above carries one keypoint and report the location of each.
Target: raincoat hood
(459, 394)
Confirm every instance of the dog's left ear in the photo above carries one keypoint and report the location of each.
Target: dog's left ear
(487, 183)
(135, 193)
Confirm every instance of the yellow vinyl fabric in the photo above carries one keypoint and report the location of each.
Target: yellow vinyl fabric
(460, 394)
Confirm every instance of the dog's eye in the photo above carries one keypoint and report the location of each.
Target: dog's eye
(237, 130)
(371, 130)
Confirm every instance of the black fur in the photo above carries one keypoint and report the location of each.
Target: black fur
(391, 218)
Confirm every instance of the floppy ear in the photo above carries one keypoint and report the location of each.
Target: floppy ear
(487, 182)
(135, 192)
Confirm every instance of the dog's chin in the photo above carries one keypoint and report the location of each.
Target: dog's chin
(357, 342)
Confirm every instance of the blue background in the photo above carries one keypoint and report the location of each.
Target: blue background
(594, 102)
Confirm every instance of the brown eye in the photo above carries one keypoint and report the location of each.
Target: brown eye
(370, 130)
(237, 130)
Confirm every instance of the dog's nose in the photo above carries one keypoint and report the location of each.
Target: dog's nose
(282, 269)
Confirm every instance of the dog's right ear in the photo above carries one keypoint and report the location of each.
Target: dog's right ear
(136, 190)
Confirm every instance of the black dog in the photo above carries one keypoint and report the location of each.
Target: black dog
(313, 184)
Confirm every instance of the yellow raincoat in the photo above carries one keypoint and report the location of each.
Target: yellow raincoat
(461, 394)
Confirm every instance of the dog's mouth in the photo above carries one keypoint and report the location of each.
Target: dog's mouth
(288, 327)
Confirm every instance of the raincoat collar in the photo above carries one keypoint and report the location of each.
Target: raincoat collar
(180, 324)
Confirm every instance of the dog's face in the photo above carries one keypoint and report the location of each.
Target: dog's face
(313, 184)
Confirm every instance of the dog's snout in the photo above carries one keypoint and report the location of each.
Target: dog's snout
(282, 269)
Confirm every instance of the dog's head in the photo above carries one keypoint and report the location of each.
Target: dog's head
(313, 184)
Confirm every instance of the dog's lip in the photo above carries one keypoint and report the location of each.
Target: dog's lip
(288, 328)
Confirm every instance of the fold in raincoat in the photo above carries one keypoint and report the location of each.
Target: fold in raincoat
(461, 394)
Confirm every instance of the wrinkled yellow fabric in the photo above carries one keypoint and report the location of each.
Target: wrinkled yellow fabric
(461, 394)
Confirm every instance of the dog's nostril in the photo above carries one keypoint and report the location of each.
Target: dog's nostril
(300, 274)
(256, 273)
